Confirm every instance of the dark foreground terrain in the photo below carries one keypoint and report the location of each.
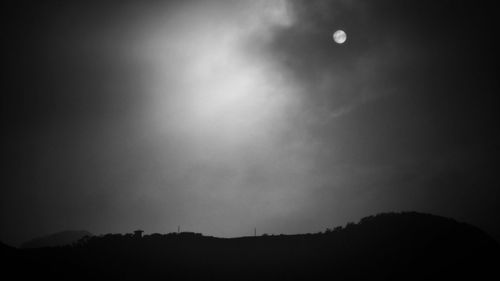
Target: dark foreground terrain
(406, 246)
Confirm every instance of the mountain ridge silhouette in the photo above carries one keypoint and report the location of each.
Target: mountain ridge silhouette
(389, 246)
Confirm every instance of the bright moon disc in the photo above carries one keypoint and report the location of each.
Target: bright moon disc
(339, 36)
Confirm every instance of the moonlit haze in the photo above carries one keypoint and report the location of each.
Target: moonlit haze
(224, 116)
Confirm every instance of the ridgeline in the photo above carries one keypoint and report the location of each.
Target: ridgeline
(390, 246)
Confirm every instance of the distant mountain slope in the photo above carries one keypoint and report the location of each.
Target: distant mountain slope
(57, 239)
(403, 246)
(5, 247)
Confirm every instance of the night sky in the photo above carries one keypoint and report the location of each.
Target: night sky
(222, 116)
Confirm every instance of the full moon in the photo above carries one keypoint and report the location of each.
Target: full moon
(339, 36)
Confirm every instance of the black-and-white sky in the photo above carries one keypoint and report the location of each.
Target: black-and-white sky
(221, 116)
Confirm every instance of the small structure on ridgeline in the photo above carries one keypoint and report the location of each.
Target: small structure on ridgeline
(138, 233)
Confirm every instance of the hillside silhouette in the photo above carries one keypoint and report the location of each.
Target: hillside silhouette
(62, 238)
(390, 246)
(5, 248)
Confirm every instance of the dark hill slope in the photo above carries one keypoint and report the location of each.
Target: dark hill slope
(62, 238)
(4, 247)
(407, 246)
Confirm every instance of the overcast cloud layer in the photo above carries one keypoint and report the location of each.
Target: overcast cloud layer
(222, 116)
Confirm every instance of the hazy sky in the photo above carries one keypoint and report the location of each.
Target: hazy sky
(222, 116)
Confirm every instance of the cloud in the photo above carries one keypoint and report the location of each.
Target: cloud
(226, 115)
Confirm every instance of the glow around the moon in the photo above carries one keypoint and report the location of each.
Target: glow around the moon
(339, 36)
